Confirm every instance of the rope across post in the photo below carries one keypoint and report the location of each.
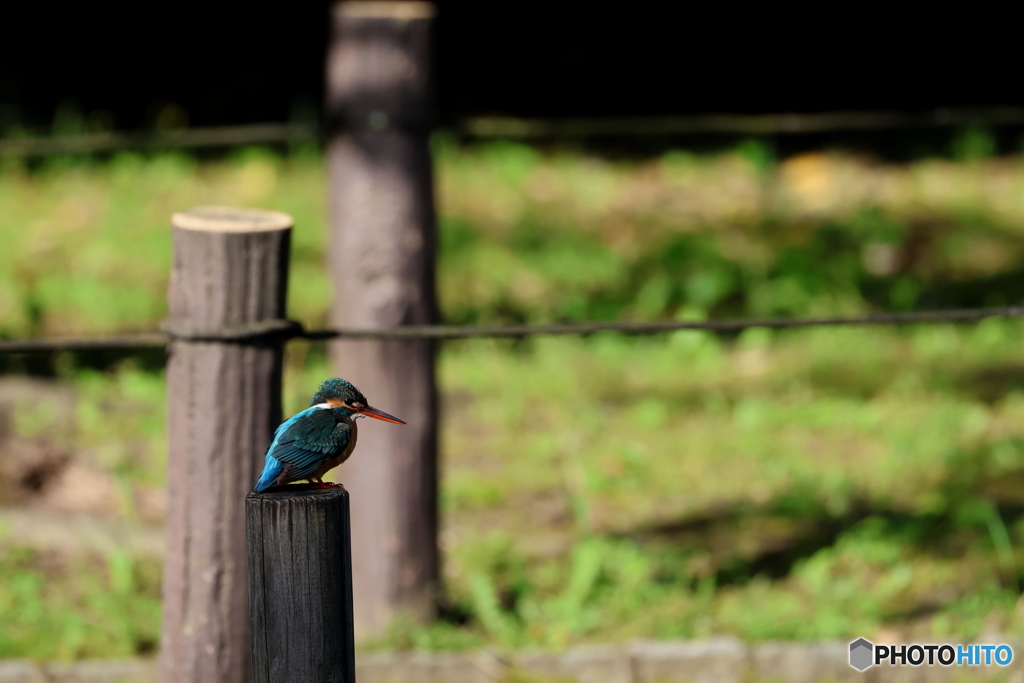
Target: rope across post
(230, 271)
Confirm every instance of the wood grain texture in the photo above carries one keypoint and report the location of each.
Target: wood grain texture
(223, 402)
(300, 587)
(381, 255)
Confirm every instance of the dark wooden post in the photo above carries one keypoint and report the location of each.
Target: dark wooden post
(300, 586)
(382, 264)
(223, 402)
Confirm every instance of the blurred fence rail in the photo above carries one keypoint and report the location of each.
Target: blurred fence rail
(225, 136)
(293, 330)
(741, 124)
(527, 128)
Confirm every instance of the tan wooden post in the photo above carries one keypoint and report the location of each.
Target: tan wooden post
(381, 208)
(223, 401)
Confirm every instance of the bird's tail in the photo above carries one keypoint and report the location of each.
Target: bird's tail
(272, 469)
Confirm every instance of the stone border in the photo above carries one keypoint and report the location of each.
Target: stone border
(714, 660)
(87, 671)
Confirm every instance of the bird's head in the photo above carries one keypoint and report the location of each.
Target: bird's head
(341, 395)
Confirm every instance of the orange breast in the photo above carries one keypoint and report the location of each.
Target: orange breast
(343, 456)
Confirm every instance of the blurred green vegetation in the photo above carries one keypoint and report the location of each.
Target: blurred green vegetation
(55, 608)
(684, 486)
(809, 484)
(527, 236)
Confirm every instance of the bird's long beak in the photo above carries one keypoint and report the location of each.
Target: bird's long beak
(370, 411)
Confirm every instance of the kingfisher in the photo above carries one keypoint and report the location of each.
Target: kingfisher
(309, 444)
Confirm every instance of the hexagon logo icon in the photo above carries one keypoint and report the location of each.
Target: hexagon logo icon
(860, 654)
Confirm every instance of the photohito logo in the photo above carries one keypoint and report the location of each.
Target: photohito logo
(864, 654)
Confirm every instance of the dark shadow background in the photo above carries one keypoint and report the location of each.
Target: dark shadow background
(232, 63)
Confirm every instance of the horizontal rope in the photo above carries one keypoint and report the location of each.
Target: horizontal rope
(220, 136)
(508, 127)
(292, 329)
(740, 124)
(264, 329)
(115, 343)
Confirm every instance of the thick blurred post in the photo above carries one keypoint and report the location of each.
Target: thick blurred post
(300, 586)
(381, 206)
(223, 401)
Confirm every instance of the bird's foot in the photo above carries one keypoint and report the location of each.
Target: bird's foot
(325, 485)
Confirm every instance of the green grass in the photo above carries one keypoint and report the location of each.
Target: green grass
(55, 608)
(527, 237)
(613, 488)
(809, 484)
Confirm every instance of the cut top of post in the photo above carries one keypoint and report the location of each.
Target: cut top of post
(387, 9)
(292, 491)
(230, 219)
